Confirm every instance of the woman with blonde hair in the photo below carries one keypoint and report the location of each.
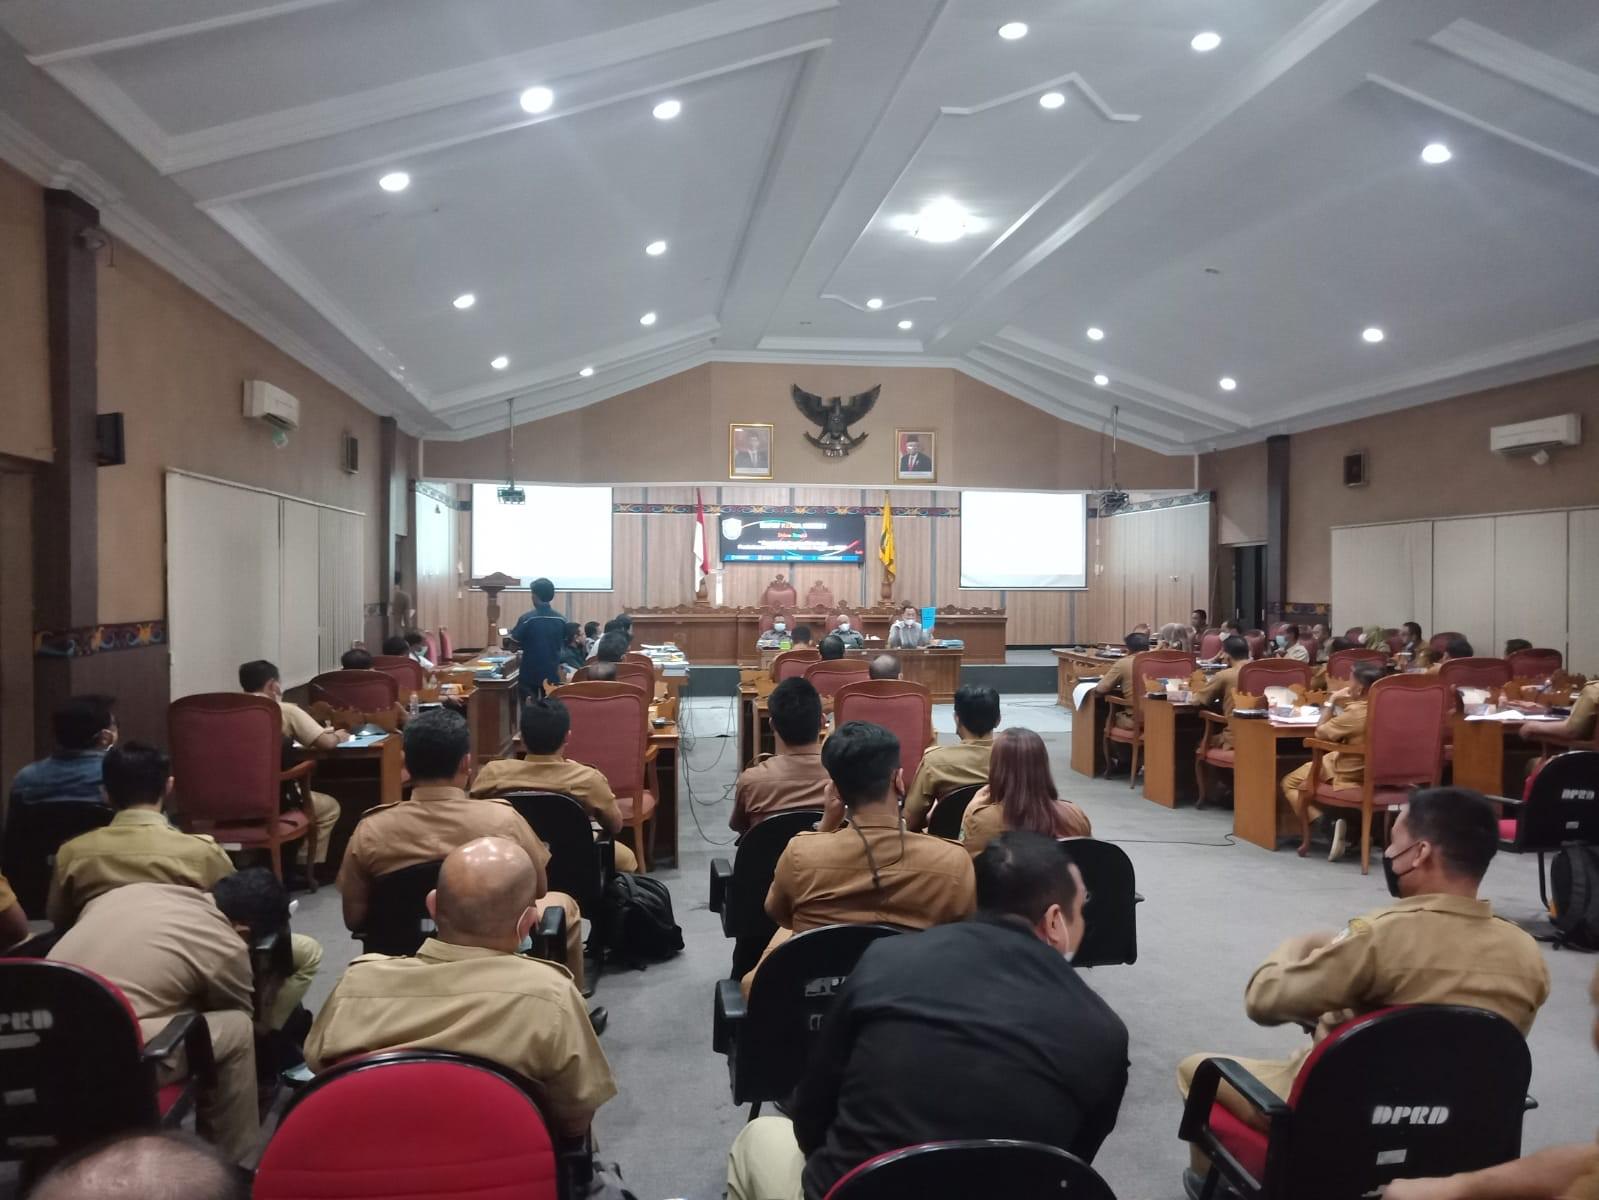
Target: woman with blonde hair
(1173, 636)
(1020, 794)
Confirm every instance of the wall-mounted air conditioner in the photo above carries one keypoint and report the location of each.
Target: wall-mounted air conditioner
(1529, 437)
(264, 402)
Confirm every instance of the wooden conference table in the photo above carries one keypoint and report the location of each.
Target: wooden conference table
(937, 668)
(727, 636)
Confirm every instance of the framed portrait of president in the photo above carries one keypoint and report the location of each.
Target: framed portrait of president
(915, 456)
(749, 451)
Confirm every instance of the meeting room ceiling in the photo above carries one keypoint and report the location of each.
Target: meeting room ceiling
(1230, 218)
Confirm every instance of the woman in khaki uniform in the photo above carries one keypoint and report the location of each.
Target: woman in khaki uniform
(1020, 794)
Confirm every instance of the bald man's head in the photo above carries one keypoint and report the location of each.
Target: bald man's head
(884, 666)
(145, 1166)
(485, 894)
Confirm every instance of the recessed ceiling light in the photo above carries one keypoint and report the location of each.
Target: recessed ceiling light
(667, 109)
(1101, 380)
(537, 99)
(941, 221)
(464, 300)
(875, 302)
(1436, 152)
(1011, 30)
(655, 248)
(586, 372)
(1095, 333)
(1372, 334)
(906, 324)
(500, 363)
(394, 181)
(1227, 383)
(647, 319)
(1206, 42)
(1052, 99)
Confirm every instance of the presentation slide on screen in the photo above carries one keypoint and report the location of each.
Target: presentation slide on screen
(560, 533)
(814, 537)
(1021, 540)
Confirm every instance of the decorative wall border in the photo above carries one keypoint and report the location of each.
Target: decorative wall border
(99, 639)
(1162, 502)
(783, 510)
(440, 496)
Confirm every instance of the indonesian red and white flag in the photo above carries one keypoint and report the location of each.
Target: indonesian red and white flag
(702, 562)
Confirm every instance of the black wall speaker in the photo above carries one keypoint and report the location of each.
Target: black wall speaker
(108, 448)
(1355, 469)
(352, 453)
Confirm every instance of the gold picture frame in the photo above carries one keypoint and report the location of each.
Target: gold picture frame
(753, 444)
(918, 465)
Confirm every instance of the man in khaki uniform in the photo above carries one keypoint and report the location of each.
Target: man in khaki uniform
(141, 846)
(793, 777)
(437, 818)
(861, 865)
(1344, 769)
(1118, 677)
(1223, 685)
(173, 949)
(1581, 725)
(945, 768)
(260, 678)
(13, 921)
(1439, 944)
(546, 728)
(467, 990)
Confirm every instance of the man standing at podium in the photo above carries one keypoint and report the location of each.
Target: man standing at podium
(541, 633)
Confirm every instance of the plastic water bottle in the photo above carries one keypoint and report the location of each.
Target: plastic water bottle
(413, 707)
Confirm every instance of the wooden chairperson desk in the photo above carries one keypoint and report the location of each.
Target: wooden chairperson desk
(935, 668)
(726, 636)
(1263, 752)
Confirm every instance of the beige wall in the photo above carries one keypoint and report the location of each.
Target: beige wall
(675, 431)
(1238, 478)
(1434, 461)
(174, 365)
(24, 361)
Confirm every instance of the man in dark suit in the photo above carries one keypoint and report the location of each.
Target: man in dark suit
(913, 461)
(752, 455)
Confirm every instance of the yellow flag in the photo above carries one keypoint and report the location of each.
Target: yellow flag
(885, 543)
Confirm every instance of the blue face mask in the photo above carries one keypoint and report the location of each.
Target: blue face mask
(1282, 639)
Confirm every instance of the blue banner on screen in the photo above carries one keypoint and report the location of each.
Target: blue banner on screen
(814, 537)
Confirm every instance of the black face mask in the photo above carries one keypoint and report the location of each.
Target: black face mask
(1392, 876)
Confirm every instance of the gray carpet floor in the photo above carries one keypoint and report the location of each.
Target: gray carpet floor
(1212, 911)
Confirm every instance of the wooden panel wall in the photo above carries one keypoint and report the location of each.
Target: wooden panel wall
(653, 566)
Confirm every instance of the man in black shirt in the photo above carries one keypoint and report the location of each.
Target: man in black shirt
(980, 1029)
(540, 632)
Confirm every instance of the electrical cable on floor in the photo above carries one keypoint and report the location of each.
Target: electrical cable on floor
(687, 740)
(1231, 840)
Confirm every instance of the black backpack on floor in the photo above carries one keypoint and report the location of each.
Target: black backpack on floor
(1574, 877)
(638, 920)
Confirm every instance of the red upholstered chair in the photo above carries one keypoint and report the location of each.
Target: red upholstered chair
(1561, 808)
(956, 1170)
(642, 659)
(1403, 747)
(1535, 664)
(446, 647)
(780, 593)
(1341, 663)
(819, 597)
(1474, 672)
(1312, 644)
(639, 675)
(1355, 633)
(1148, 666)
(366, 691)
(793, 662)
(1408, 1092)
(1438, 642)
(1210, 646)
(900, 706)
(430, 639)
(1395, 639)
(1254, 677)
(76, 1066)
(830, 675)
(406, 672)
(611, 733)
(410, 1123)
(1257, 643)
(227, 763)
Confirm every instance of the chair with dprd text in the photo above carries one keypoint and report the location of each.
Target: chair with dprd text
(944, 819)
(406, 672)
(34, 831)
(791, 663)
(582, 857)
(768, 1038)
(738, 888)
(961, 1169)
(398, 921)
(1149, 667)
(1561, 809)
(78, 1069)
(1341, 663)
(1110, 915)
(1408, 1092)
(1537, 663)
(611, 733)
(1254, 677)
(406, 1123)
(1402, 748)
(367, 691)
(229, 781)
(829, 675)
(901, 706)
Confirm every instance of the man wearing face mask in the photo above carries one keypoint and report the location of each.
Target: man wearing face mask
(846, 632)
(773, 638)
(979, 1029)
(1438, 944)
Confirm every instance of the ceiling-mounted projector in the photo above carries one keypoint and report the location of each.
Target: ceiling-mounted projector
(1112, 502)
(511, 494)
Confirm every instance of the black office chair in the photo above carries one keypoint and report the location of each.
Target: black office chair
(963, 1169)
(76, 1067)
(1111, 914)
(35, 830)
(397, 920)
(1561, 809)
(1408, 1092)
(582, 860)
(945, 819)
(768, 1038)
(738, 889)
